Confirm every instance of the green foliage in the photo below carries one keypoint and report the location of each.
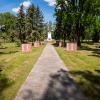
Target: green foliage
(96, 28)
(89, 32)
(18, 43)
(4, 37)
(24, 27)
(93, 31)
(34, 18)
(49, 26)
(73, 16)
(20, 24)
(8, 20)
(7, 23)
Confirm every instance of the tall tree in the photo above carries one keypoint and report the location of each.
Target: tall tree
(20, 24)
(74, 15)
(30, 22)
(60, 13)
(39, 23)
(34, 23)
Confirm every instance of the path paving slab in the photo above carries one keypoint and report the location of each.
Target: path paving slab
(49, 80)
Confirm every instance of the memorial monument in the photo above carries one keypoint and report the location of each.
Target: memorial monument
(49, 36)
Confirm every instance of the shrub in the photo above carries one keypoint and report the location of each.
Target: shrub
(18, 43)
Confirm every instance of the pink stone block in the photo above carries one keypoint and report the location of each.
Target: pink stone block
(71, 47)
(36, 44)
(26, 47)
(60, 44)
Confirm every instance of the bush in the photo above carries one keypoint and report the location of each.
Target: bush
(18, 43)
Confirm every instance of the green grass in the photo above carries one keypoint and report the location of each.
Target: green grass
(15, 68)
(84, 66)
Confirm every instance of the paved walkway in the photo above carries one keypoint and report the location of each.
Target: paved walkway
(49, 80)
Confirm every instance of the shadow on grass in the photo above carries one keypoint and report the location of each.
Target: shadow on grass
(95, 55)
(62, 87)
(90, 83)
(95, 51)
(10, 52)
(5, 82)
(97, 71)
(3, 47)
(89, 42)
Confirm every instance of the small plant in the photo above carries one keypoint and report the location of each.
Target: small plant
(18, 43)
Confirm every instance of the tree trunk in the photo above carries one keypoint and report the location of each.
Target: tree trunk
(96, 36)
(78, 42)
(79, 33)
(12, 39)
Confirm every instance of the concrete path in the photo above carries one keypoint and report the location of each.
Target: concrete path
(49, 80)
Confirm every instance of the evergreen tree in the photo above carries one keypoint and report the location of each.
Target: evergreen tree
(30, 22)
(39, 23)
(20, 24)
(34, 23)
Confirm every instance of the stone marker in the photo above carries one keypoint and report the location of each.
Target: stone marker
(36, 44)
(71, 47)
(26, 47)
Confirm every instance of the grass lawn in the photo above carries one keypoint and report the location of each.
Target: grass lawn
(15, 68)
(84, 66)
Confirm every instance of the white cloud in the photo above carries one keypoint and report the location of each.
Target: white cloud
(15, 9)
(25, 4)
(51, 2)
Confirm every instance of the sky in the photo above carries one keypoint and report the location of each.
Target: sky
(46, 6)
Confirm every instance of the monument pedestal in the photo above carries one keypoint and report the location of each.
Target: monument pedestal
(71, 47)
(49, 39)
(36, 44)
(27, 47)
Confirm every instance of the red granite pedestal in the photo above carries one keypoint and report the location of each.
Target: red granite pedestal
(36, 44)
(72, 47)
(27, 47)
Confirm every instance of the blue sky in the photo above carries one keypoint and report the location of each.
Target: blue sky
(46, 6)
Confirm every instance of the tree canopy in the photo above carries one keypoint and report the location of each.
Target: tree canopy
(27, 25)
(74, 16)
(30, 24)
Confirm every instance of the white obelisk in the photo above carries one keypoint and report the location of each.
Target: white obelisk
(49, 36)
